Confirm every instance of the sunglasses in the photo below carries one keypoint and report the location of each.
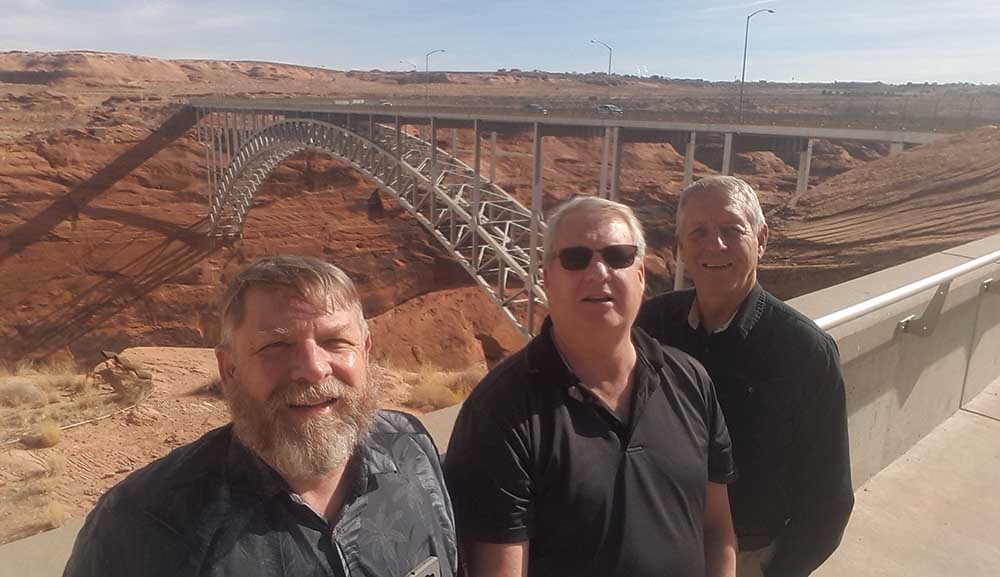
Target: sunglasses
(615, 255)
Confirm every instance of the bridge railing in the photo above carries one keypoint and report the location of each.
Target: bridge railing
(917, 352)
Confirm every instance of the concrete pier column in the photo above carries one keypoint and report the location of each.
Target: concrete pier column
(476, 188)
(399, 152)
(371, 127)
(805, 159)
(454, 143)
(536, 217)
(493, 157)
(602, 185)
(727, 154)
(616, 162)
(689, 159)
(895, 148)
(433, 171)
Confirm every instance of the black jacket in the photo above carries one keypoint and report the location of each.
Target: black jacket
(781, 389)
(212, 508)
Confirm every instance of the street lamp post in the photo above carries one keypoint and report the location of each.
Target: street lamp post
(746, 39)
(609, 63)
(427, 76)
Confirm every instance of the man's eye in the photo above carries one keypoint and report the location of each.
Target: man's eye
(335, 343)
(275, 346)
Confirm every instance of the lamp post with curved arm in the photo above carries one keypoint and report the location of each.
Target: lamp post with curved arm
(609, 62)
(427, 76)
(746, 40)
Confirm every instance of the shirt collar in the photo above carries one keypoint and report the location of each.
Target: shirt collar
(543, 357)
(742, 321)
(694, 318)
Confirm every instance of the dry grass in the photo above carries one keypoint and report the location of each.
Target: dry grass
(54, 463)
(55, 514)
(432, 389)
(21, 393)
(45, 435)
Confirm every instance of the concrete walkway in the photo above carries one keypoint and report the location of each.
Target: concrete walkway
(934, 512)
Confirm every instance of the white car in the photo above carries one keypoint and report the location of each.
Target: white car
(609, 109)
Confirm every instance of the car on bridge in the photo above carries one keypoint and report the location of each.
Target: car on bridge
(534, 108)
(612, 109)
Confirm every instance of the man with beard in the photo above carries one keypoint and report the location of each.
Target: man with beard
(310, 479)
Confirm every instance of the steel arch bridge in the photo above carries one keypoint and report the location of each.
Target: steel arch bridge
(494, 238)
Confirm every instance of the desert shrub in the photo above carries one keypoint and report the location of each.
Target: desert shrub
(54, 463)
(21, 393)
(430, 396)
(45, 435)
(432, 389)
(55, 514)
(25, 367)
(134, 392)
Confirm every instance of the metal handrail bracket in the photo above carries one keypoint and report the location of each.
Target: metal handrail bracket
(940, 280)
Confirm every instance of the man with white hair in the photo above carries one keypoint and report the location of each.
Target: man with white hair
(309, 479)
(593, 451)
(778, 378)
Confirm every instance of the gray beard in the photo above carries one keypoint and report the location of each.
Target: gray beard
(312, 448)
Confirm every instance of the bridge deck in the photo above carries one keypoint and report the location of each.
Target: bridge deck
(932, 512)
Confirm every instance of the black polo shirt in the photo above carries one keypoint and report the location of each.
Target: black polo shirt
(534, 456)
(781, 388)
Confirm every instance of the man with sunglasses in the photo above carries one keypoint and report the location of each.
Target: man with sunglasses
(594, 450)
(778, 378)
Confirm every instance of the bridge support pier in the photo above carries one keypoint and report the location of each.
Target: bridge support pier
(895, 148)
(536, 216)
(805, 159)
(454, 143)
(476, 190)
(493, 157)
(602, 185)
(689, 159)
(433, 167)
(727, 154)
(616, 162)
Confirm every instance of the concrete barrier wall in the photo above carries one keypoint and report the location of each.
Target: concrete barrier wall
(900, 385)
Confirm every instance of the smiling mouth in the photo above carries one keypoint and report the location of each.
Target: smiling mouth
(599, 299)
(716, 266)
(313, 404)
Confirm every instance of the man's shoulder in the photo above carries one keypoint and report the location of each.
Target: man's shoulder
(783, 321)
(198, 462)
(151, 512)
(681, 368)
(670, 302)
(504, 383)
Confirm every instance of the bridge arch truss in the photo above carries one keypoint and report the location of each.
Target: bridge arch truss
(492, 236)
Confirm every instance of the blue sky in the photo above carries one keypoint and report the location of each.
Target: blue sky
(805, 40)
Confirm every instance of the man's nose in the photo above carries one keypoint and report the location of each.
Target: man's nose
(715, 240)
(310, 363)
(597, 267)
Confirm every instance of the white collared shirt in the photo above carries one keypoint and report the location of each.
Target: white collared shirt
(694, 319)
